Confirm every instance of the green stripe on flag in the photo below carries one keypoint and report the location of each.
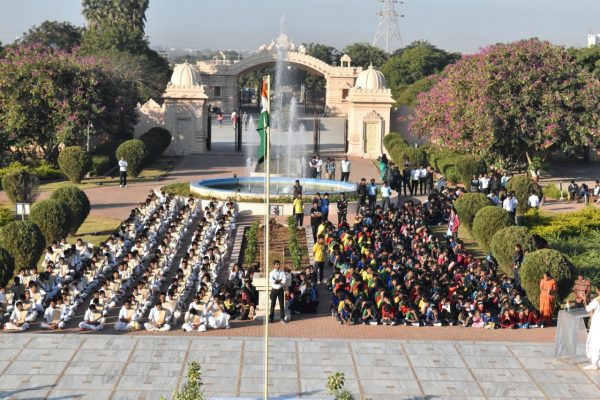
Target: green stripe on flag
(263, 124)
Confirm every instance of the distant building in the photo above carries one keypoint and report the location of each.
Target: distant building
(593, 39)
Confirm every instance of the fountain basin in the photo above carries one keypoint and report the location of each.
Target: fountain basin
(252, 188)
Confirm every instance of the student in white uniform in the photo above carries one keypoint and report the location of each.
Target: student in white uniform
(53, 317)
(92, 320)
(18, 319)
(159, 318)
(128, 318)
(194, 321)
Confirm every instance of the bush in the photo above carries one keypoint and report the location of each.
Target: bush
(46, 172)
(77, 202)
(551, 191)
(109, 149)
(400, 150)
(451, 175)
(7, 267)
(540, 261)
(134, 152)
(443, 160)
(24, 242)
(487, 222)
(503, 245)
(100, 164)
(6, 216)
(53, 218)
(468, 205)
(251, 250)
(467, 166)
(20, 186)
(177, 189)
(522, 187)
(568, 224)
(156, 140)
(74, 162)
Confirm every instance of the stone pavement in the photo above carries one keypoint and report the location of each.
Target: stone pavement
(36, 366)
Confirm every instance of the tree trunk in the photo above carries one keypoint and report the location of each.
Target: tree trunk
(535, 174)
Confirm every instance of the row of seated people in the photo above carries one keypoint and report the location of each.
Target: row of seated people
(73, 272)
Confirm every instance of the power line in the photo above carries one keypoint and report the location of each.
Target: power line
(387, 29)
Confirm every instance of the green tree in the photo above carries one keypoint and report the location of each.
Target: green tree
(24, 242)
(54, 34)
(192, 389)
(77, 201)
(74, 162)
(54, 218)
(20, 186)
(363, 54)
(325, 53)
(588, 58)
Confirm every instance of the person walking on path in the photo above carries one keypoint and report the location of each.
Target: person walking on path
(345, 165)
(319, 256)
(277, 281)
(548, 290)
(123, 172)
(245, 120)
(592, 345)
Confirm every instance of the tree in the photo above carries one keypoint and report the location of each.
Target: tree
(74, 162)
(468, 205)
(7, 267)
(363, 54)
(325, 53)
(135, 153)
(540, 261)
(48, 98)
(588, 58)
(192, 389)
(24, 242)
(511, 102)
(77, 201)
(20, 186)
(53, 218)
(57, 35)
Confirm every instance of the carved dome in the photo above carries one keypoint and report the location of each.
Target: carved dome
(370, 79)
(184, 75)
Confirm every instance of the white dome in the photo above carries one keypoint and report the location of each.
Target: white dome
(370, 79)
(184, 75)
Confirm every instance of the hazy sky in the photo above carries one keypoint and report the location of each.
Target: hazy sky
(456, 25)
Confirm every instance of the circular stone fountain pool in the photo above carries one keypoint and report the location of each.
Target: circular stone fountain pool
(253, 188)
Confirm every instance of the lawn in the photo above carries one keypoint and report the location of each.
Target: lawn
(154, 172)
(95, 230)
(470, 245)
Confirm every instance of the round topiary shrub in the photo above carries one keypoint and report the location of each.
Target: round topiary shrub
(20, 186)
(77, 202)
(503, 244)
(74, 162)
(468, 205)
(134, 152)
(7, 267)
(452, 175)
(24, 242)
(522, 186)
(540, 261)
(100, 164)
(487, 222)
(467, 166)
(53, 218)
(6, 216)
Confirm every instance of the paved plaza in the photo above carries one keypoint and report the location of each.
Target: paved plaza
(37, 366)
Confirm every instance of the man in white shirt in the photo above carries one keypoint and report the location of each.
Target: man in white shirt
(127, 318)
(414, 181)
(319, 165)
(18, 319)
(386, 194)
(345, 166)
(158, 319)
(484, 184)
(504, 180)
(510, 205)
(123, 172)
(277, 280)
(534, 201)
(422, 176)
(53, 317)
(92, 320)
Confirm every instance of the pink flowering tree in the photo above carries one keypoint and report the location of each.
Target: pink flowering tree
(49, 97)
(511, 102)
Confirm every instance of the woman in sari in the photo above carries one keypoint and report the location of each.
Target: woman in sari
(592, 346)
(548, 290)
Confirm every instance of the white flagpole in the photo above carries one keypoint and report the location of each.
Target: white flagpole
(267, 228)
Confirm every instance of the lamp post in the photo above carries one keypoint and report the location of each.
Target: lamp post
(87, 142)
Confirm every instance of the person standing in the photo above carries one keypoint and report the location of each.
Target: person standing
(331, 169)
(517, 262)
(510, 205)
(361, 191)
(548, 290)
(277, 281)
(315, 219)
(123, 172)
(318, 167)
(383, 168)
(406, 180)
(342, 208)
(312, 165)
(592, 345)
(582, 289)
(345, 167)
(414, 181)
(372, 192)
(429, 181)
(422, 176)
(534, 200)
(319, 256)
(234, 119)
(453, 224)
(325, 207)
(298, 209)
(220, 118)
(245, 120)
(297, 189)
(386, 195)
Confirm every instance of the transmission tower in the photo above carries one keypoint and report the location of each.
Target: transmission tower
(387, 29)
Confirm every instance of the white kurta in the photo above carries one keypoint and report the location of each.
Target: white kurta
(592, 346)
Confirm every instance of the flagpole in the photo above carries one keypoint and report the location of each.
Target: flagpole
(267, 153)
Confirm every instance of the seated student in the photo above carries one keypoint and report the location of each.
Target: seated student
(18, 319)
(92, 320)
(346, 313)
(30, 306)
(388, 315)
(411, 317)
(159, 319)
(246, 310)
(53, 317)
(216, 317)
(194, 321)
(368, 314)
(128, 318)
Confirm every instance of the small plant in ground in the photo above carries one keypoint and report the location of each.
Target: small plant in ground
(192, 389)
(335, 387)
(296, 252)
(251, 249)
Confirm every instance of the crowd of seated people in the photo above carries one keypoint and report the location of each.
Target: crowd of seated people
(389, 268)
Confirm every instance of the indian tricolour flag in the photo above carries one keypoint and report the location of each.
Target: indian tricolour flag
(263, 123)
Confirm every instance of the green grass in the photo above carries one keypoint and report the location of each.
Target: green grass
(154, 172)
(470, 244)
(95, 230)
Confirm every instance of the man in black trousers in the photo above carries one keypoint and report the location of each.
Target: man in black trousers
(277, 281)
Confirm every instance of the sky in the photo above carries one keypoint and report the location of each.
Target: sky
(454, 25)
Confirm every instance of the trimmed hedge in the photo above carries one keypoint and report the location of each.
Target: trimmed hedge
(487, 222)
(522, 187)
(134, 152)
(100, 164)
(503, 245)
(20, 186)
(24, 241)
(53, 218)
(7, 267)
(468, 205)
(75, 162)
(540, 261)
(77, 202)
(399, 150)
(467, 166)
(6, 216)
(44, 171)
